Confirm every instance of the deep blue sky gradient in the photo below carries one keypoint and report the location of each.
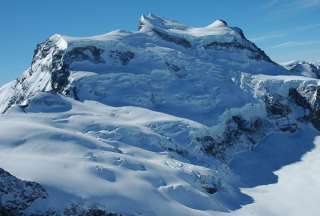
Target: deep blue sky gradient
(285, 29)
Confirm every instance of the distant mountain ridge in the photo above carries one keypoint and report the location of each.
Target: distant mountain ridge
(304, 68)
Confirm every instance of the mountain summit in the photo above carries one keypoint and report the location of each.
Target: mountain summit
(159, 62)
(167, 120)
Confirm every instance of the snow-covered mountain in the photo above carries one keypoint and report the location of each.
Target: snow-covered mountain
(304, 68)
(157, 67)
(168, 120)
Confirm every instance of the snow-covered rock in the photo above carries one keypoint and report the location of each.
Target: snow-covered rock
(304, 68)
(17, 195)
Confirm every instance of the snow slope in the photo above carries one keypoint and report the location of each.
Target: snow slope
(131, 160)
(297, 187)
(168, 120)
(123, 158)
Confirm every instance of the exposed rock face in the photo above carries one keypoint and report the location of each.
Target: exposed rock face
(78, 210)
(279, 118)
(275, 106)
(88, 53)
(17, 195)
(278, 111)
(58, 67)
(174, 39)
(308, 98)
(239, 133)
(237, 130)
(49, 71)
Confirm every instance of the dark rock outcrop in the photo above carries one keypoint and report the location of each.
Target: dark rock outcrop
(16, 195)
(58, 66)
(173, 39)
(308, 97)
(78, 210)
(211, 190)
(88, 53)
(275, 106)
(236, 130)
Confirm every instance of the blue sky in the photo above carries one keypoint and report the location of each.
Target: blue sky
(285, 29)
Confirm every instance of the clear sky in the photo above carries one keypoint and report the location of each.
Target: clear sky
(285, 29)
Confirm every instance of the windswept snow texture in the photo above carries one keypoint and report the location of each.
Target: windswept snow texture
(168, 120)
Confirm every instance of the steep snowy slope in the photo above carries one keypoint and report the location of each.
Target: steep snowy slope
(168, 120)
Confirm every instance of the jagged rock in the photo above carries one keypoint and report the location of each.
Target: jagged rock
(275, 106)
(16, 195)
(87, 53)
(308, 97)
(57, 66)
(236, 129)
(298, 98)
(78, 210)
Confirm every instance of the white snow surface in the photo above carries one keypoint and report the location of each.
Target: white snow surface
(89, 152)
(216, 31)
(117, 157)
